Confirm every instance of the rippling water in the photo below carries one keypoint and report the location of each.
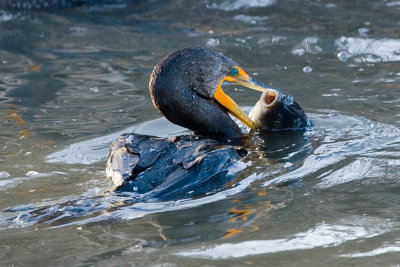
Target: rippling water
(72, 80)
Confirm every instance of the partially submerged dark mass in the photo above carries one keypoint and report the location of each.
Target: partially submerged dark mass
(163, 167)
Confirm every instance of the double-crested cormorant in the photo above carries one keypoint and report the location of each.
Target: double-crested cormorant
(185, 87)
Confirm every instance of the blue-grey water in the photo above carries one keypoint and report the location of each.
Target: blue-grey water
(72, 80)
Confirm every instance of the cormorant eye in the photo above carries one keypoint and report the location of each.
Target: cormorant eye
(234, 72)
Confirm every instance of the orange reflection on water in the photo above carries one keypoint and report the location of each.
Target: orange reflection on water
(232, 232)
(13, 114)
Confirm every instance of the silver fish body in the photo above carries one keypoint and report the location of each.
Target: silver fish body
(276, 111)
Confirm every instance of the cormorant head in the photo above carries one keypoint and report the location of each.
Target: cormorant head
(185, 87)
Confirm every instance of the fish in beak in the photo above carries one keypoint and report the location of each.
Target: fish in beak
(238, 76)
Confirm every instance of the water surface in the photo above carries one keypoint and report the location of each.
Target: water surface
(72, 80)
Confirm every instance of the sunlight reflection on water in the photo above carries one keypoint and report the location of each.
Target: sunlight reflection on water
(322, 235)
(370, 50)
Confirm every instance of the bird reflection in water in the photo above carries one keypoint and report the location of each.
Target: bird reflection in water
(229, 218)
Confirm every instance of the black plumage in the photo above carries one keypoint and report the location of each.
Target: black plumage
(182, 86)
(185, 87)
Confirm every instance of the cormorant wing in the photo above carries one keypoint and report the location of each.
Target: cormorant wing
(169, 167)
